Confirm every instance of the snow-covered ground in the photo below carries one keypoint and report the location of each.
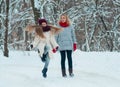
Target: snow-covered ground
(91, 69)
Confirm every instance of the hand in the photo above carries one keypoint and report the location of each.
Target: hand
(54, 50)
(74, 46)
(31, 46)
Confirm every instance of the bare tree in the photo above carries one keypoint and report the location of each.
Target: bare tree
(35, 11)
(96, 22)
(6, 51)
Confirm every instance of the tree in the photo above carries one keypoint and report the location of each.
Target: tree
(6, 51)
(96, 22)
(36, 11)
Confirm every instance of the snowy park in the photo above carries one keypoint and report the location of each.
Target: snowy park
(86, 32)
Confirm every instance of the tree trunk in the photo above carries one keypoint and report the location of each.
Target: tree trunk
(109, 40)
(36, 12)
(1, 13)
(6, 52)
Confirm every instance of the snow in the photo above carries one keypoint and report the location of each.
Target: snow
(91, 69)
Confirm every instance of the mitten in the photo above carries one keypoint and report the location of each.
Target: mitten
(54, 50)
(74, 46)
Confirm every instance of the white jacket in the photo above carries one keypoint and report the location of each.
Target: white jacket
(49, 40)
(40, 43)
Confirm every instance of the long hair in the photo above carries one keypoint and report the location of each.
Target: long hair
(55, 30)
(67, 19)
(38, 30)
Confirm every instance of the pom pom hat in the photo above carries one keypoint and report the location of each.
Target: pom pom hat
(40, 21)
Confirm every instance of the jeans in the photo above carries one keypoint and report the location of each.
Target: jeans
(46, 58)
(46, 51)
(63, 58)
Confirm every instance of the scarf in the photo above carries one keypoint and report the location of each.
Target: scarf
(65, 24)
(46, 29)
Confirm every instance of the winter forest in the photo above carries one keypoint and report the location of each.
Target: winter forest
(96, 22)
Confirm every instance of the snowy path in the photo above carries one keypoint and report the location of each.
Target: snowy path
(90, 69)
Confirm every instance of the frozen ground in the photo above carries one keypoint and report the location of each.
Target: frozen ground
(91, 69)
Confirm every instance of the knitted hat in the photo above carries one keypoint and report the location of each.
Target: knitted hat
(40, 21)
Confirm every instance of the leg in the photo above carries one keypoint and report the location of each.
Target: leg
(41, 48)
(47, 60)
(45, 54)
(63, 58)
(45, 69)
(69, 56)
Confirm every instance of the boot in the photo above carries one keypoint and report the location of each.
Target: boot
(44, 71)
(71, 72)
(64, 73)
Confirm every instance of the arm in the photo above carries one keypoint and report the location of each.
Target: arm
(73, 35)
(36, 41)
(74, 39)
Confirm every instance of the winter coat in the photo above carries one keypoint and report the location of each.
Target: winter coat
(66, 38)
(40, 43)
(49, 40)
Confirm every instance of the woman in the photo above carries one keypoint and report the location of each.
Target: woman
(67, 43)
(44, 41)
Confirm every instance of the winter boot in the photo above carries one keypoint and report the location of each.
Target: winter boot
(64, 73)
(71, 72)
(44, 71)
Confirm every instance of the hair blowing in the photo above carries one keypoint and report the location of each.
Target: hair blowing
(39, 31)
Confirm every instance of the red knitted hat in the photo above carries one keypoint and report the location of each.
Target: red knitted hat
(40, 21)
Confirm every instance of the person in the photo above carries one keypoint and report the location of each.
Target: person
(47, 29)
(67, 43)
(46, 33)
(44, 41)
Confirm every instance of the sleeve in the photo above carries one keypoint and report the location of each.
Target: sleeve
(73, 34)
(36, 41)
(57, 38)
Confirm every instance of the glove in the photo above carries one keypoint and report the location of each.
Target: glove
(31, 46)
(74, 46)
(55, 49)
